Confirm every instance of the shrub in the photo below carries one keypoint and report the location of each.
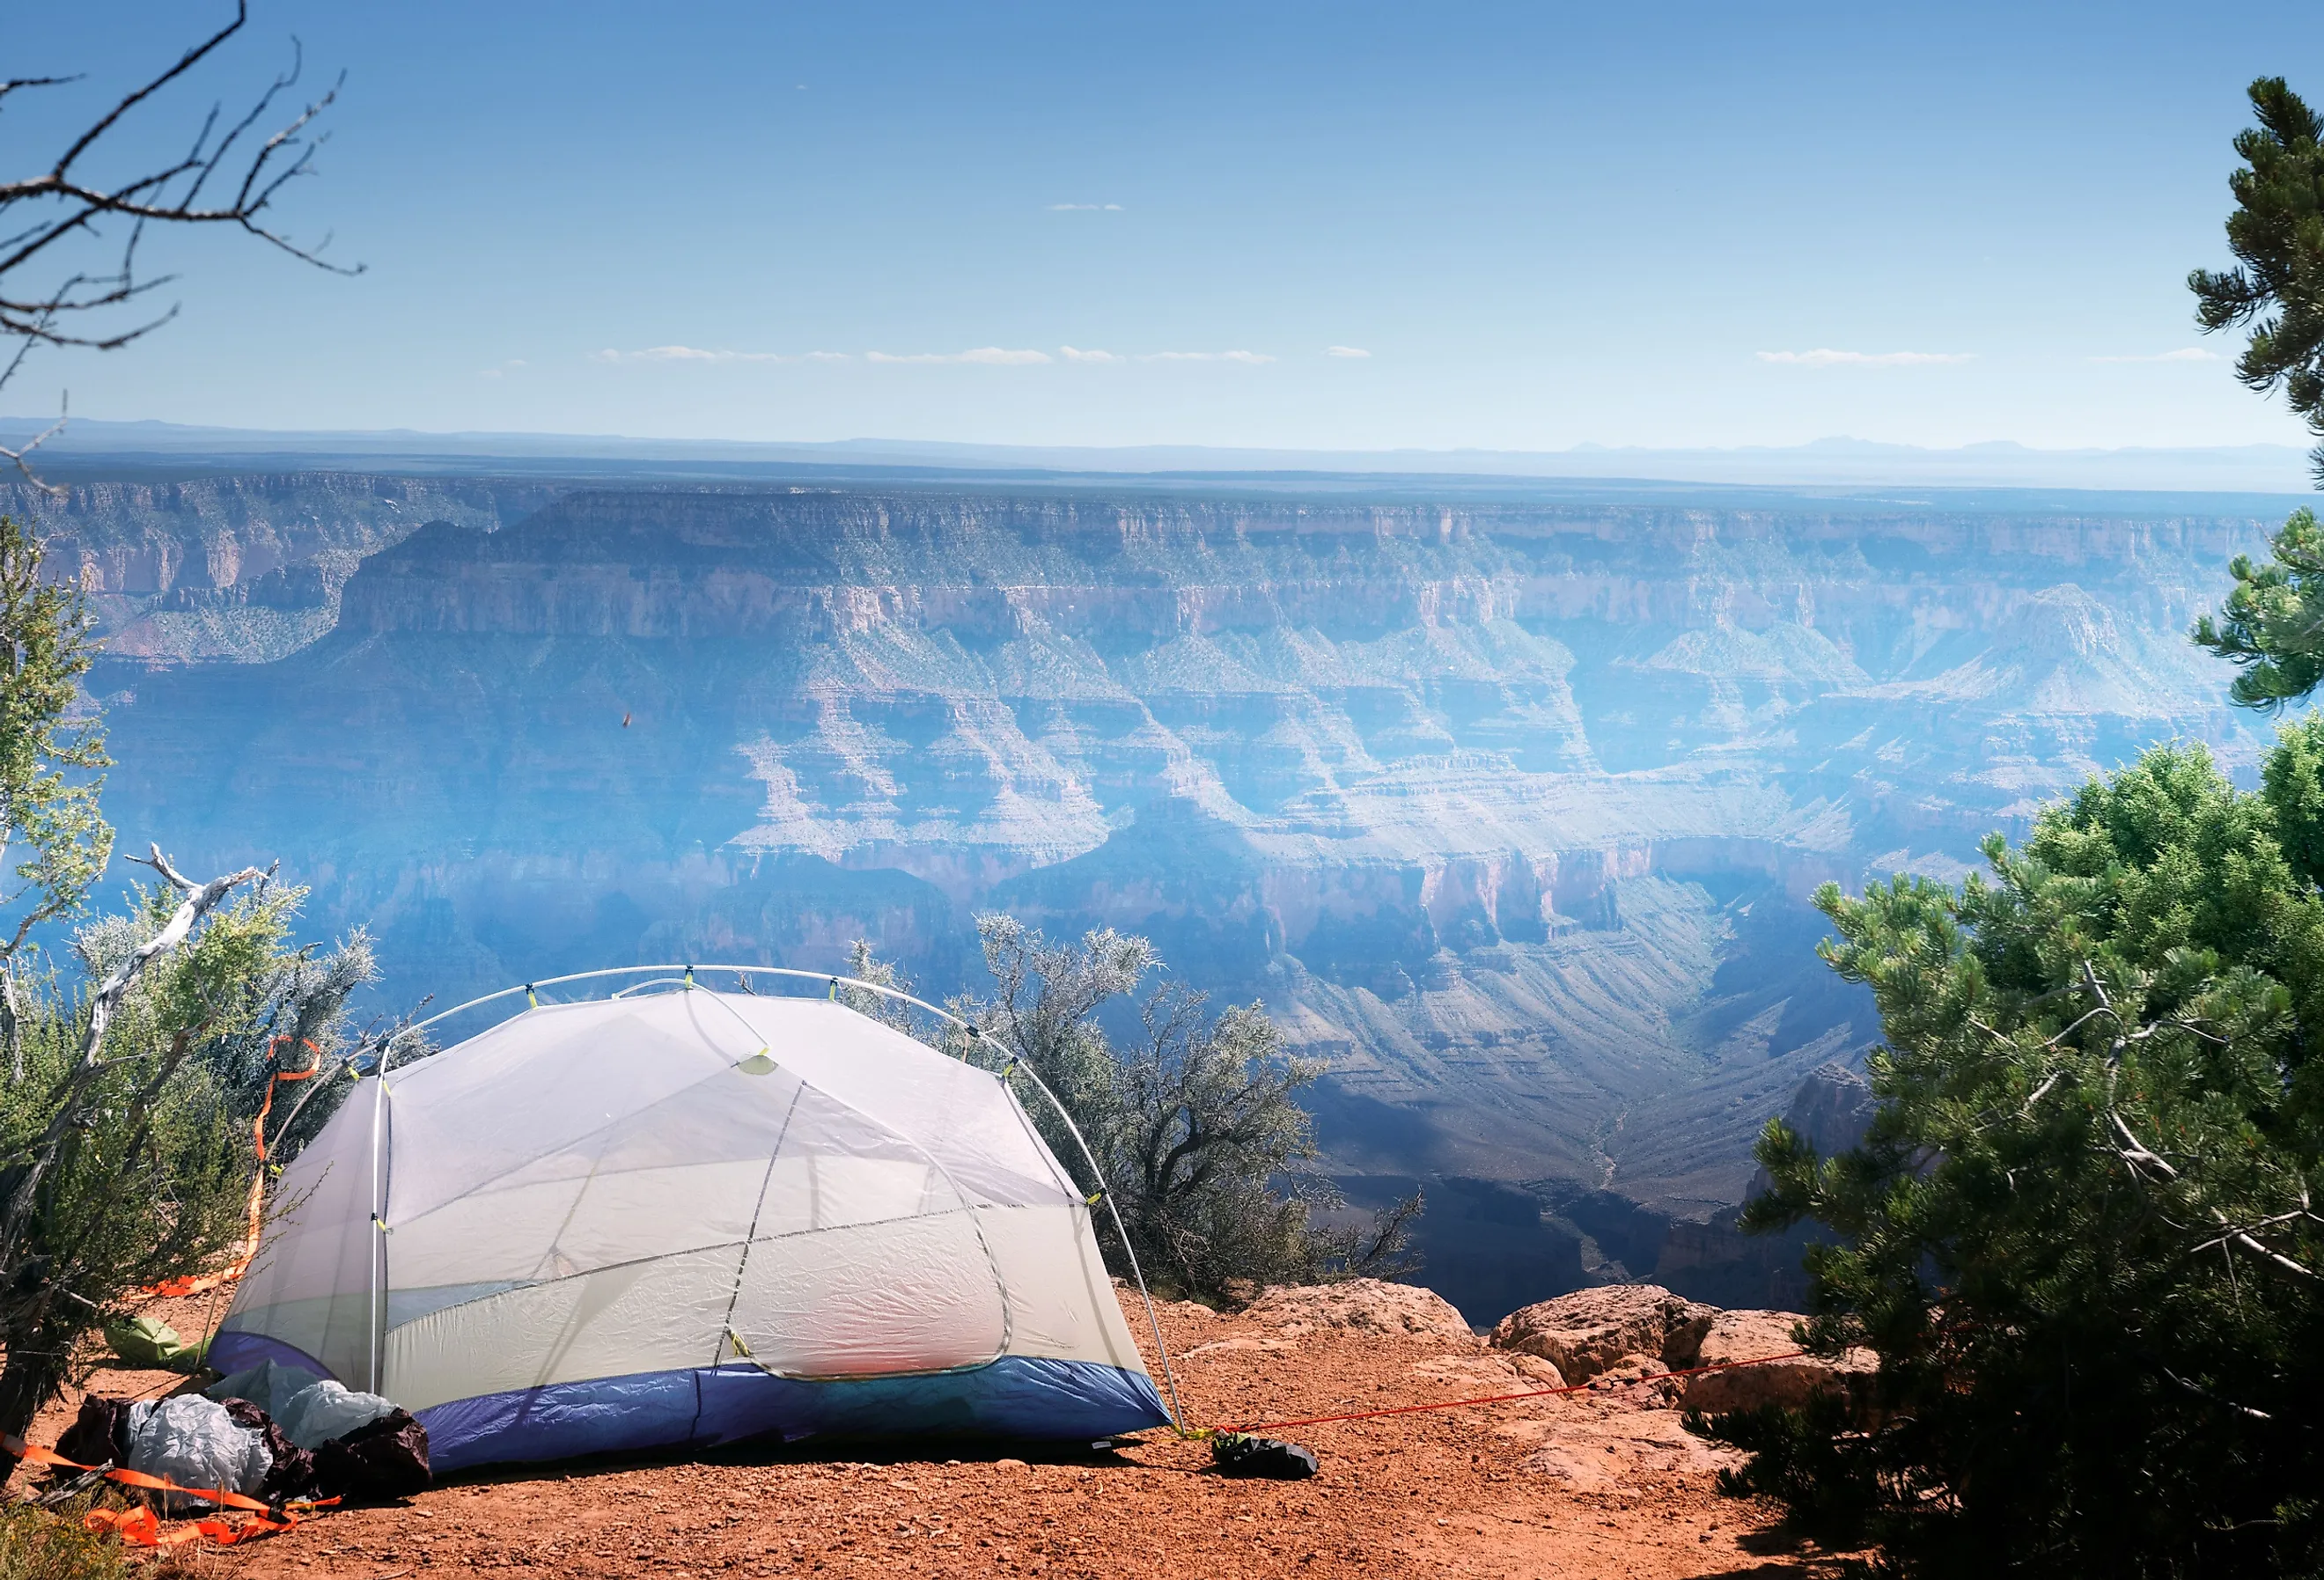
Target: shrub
(37, 1544)
(1192, 1118)
(2079, 1234)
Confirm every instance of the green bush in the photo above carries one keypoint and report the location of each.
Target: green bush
(36, 1544)
(136, 1061)
(1192, 1118)
(2079, 1235)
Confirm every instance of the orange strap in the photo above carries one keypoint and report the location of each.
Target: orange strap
(171, 1288)
(140, 1526)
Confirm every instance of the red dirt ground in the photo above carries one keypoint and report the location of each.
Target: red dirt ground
(1603, 1483)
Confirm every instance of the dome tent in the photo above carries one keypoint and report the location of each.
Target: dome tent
(687, 1217)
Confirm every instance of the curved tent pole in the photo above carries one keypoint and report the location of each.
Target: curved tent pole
(378, 1241)
(824, 976)
(686, 983)
(1178, 1416)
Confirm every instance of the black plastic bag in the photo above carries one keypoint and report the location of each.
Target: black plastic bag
(293, 1475)
(99, 1435)
(1236, 1454)
(376, 1464)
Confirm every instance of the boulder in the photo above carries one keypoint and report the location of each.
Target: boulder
(1591, 1331)
(1363, 1306)
(1748, 1336)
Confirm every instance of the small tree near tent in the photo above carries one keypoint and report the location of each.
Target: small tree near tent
(52, 841)
(142, 1053)
(1192, 1118)
(127, 1153)
(140, 1047)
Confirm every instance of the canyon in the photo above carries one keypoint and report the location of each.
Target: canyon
(1509, 811)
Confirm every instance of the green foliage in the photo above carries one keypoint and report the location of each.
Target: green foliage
(1193, 1119)
(48, 750)
(2077, 1234)
(2276, 232)
(37, 1544)
(151, 1171)
(2292, 783)
(137, 1066)
(2272, 623)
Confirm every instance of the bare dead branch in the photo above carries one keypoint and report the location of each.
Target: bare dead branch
(2202, 1393)
(14, 83)
(2042, 1091)
(16, 458)
(199, 903)
(2136, 1153)
(186, 64)
(55, 215)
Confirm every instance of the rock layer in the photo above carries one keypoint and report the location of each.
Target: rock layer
(1509, 812)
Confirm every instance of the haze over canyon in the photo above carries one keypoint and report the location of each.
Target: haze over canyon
(1509, 811)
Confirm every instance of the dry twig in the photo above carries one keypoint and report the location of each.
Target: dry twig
(229, 176)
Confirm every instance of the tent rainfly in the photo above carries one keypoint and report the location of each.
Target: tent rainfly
(690, 1217)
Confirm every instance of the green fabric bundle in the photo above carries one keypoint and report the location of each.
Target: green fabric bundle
(145, 1342)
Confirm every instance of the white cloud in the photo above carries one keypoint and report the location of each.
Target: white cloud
(695, 354)
(1825, 356)
(2184, 354)
(1253, 357)
(1345, 351)
(511, 365)
(1085, 208)
(991, 356)
(1075, 354)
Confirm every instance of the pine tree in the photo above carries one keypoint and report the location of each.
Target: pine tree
(2276, 232)
(2079, 1235)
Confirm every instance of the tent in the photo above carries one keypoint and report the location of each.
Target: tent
(687, 1217)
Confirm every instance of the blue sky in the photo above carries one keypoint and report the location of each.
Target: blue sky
(1541, 225)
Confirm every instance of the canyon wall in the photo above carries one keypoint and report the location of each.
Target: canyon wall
(1509, 812)
(239, 567)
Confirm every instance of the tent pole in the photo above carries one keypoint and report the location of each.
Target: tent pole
(378, 1227)
(742, 973)
(1177, 1416)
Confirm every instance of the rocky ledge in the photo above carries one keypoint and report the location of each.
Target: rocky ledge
(1642, 1333)
(1606, 1481)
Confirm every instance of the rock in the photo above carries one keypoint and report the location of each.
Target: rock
(1478, 1372)
(1240, 1342)
(1597, 1330)
(1748, 1335)
(1364, 1305)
